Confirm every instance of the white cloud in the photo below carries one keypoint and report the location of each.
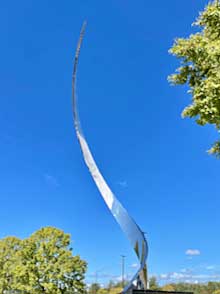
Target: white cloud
(164, 276)
(187, 277)
(134, 265)
(193, 252)
(184, 270)
(210, 267)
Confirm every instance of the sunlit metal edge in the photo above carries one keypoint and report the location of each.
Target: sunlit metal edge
(127, 224)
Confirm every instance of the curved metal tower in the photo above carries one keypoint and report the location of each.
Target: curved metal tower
(134, 234)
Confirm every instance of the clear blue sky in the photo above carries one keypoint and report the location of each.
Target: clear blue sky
(154, 161)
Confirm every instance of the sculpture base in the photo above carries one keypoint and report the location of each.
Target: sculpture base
(157, 292)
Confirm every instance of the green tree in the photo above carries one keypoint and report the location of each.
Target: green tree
(103, 291)
(115, 290)
(168, 288)
(111, 288)
(9, 248)
(208, 288)
(42, 263)
(111, 285)
(94, 288)
(153, 284)
(200, 69)
(212, 287)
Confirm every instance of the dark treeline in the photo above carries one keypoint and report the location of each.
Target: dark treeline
(202, 288)
(208, 288)
(196, 288)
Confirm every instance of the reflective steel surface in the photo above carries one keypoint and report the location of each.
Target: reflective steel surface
(127, 224)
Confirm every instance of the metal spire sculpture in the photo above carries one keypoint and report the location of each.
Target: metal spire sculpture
(134, 234)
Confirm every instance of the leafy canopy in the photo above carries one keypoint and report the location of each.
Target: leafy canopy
(200, 69)
(196, 288)
(153, 284)
(111, 288)
(42, 263)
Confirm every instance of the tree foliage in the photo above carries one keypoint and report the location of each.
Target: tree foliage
(169, 288)
(94, 288)
(153, 284)
(208, 288)
(111, 288)
(42, 263)
(196, 288)
(200, 69)
(9, 248)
